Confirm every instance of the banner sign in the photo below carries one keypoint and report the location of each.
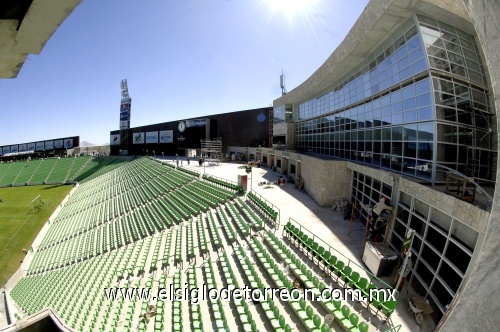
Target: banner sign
(68, 143)
(124, 124)
(39, 146)
(196, 123)
(152, 137)
(125, 113)
(22, 147)
(124, 116)
(49, 145)
(31, 146)
(166, 136)
(114, 139)
(138, 138)
(13, 148)
(407, 241)
(6, 149)
(58, 144)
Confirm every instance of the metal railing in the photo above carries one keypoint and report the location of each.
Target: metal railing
(333, 250)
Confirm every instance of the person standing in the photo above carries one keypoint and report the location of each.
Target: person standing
(379, 207)
(376, 228)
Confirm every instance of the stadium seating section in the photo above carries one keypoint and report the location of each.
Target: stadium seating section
(141, 224)
(56, 170)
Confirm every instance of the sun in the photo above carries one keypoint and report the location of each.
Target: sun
(290, 8)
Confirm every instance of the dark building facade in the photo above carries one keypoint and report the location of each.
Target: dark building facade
(51, 147)
(242, 128)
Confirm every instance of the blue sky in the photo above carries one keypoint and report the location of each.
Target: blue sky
(181, 58)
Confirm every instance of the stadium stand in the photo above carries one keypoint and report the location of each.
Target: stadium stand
(43, 170)
(142, 224)
(60, 170)
(56, 170)
(27, 172)
(11, 172)
(78, 164)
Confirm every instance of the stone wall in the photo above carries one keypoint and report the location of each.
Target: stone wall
(326, 181)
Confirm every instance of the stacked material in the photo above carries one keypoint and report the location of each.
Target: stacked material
(340, 205)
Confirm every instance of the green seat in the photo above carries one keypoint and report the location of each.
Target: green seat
(353, 279)
(275, 322)
(361, 284)
(309, 244)
(326, 257)
(304, 239)
(317, 321)
(362, 327)
(346, 311)
(338, 268)
(388, 307)
(346, 273)
(332, 262)
(325, 328)
(309, 323)
(282, 322)
(302, 313)
(337, 313)
(366, 293)
(351, 323)
(319, 252)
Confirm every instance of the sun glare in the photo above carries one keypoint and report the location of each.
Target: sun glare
(290, 8)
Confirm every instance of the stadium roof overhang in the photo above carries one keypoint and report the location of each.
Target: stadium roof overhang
(378, 20)
(25, 28)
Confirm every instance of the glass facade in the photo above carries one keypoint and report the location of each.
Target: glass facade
(441, 252)
(282, 114)
(279, 114)
(400, 111)
(451, 50)
(464, 140)
(400, 57)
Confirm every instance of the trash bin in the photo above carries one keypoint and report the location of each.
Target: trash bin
(329, 319)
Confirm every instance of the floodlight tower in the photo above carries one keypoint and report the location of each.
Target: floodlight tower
(125, 107)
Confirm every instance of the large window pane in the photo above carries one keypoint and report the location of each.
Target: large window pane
(456, 255)
(435, 238)
(424, 273)
(426, 132)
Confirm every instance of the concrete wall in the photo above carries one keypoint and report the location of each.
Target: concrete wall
(477, 307)
(470, 215)
(285, 129)
(326, 181)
